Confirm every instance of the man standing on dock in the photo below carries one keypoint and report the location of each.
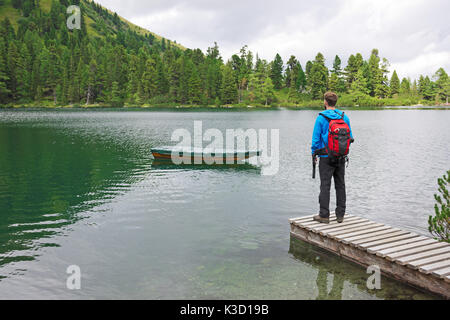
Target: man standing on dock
(331, 141)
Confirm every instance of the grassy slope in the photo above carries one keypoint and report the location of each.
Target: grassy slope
(141, 30)
(7, 10)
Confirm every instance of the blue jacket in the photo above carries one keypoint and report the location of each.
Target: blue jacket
(320, 134)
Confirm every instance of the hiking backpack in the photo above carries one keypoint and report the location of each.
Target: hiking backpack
(339, 138)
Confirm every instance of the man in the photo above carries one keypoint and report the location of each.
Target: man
(330, 166)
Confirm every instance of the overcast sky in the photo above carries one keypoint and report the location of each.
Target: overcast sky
(414, 35)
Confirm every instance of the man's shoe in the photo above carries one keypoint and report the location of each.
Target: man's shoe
(340, 219)
(321, 220)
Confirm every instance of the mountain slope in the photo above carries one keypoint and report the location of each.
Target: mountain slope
(99, 20)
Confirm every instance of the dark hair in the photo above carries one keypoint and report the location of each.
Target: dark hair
(331, 98)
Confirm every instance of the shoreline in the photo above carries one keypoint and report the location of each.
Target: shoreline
(97, 107)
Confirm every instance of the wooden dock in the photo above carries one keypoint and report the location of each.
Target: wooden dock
(405, 256)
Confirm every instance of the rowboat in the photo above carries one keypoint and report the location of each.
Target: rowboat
(208, 155)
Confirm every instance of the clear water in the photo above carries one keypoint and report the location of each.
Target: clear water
(80, 188)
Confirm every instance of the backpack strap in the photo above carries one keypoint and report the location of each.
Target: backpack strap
(328, 119)
(342, 116)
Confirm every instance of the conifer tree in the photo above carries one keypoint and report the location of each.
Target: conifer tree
(318, 77)
(441, 79)
(4, 91)
(229, 89)
(13, 68)
(395, 84)
(276, 73)
(333, 83)
(359, 85)
(301, 79)
(381, 80)
(195, 88)
(268, 91)
(291, 73)
(149, 81)
(405, 87)
(353, 65)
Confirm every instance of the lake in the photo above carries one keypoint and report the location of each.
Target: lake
(80, 188)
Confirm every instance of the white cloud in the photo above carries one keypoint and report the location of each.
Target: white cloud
(412, 34)
(426, 64)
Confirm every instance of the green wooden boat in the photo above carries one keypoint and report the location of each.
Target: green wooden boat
(192, 155)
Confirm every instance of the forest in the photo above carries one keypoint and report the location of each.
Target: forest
(109, 63)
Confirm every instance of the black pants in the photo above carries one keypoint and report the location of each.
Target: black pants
(332, 169)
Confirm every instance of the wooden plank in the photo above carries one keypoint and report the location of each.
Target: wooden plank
(349, 220)
(417, 260)
(340, 228)
(308, 221)
(340, 225)
(300, 218)
(416, 264)
(396, 255)
(368, 231)
(332, 226)
(435, 266)
(422, 255)
(311, 223)
(361, 226)
(307, 218)
(355, 241)
(374, 236)
(383, 253)
(376, 246)
(354, 229)
(442, 273)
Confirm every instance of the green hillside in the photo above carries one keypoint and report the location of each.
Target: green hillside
(98, 24)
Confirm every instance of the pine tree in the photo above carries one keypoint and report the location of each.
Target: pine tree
(268, 91)
(4, 91)
(394, 84)
(54, 73)
(338, 83)
(187, 69)
(381, 80)
(291, 73)
(337, 66)
(374, 77)
(149, 81)
(354, 63)
(318, 77)
(333, 83)
(415, 89)
(405, 87)
(301, 79)
(91, 81)
(229, 90)
(13, 66)
(359, 85)
(276, 73)
(195, 88)
(427, 89)
(23, 74)
(421, 85)
(441, 79)
(116, 96)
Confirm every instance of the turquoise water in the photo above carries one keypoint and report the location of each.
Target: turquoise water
(80, 188)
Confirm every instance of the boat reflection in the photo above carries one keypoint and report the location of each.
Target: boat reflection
(169, 165)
